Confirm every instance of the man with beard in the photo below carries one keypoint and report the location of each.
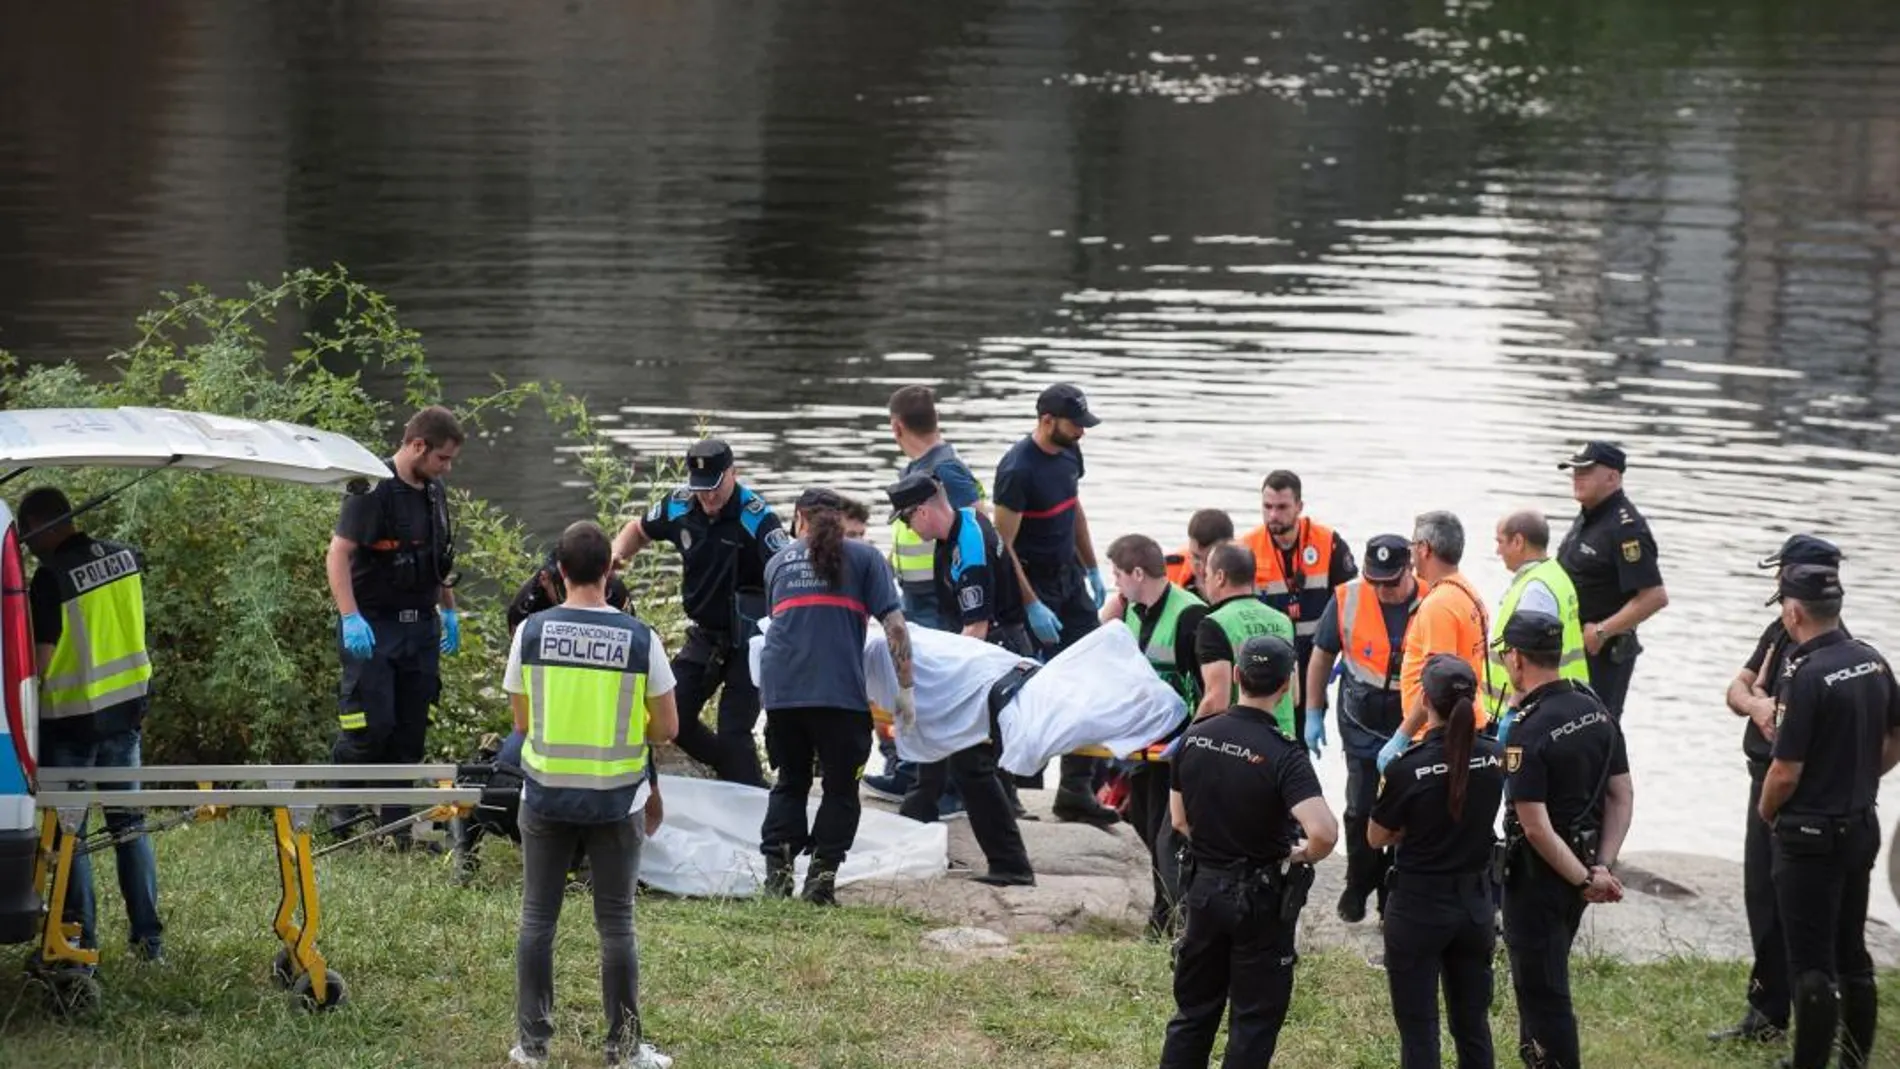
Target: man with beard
(1298, 562)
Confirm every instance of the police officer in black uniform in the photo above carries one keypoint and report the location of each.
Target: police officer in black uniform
(725, 533)
(1836, 732)
(1571, 801)
(1751, 694)
(391, 569)
(545, 589)
(1610, 557)
(1439, 801)
(1243, 793)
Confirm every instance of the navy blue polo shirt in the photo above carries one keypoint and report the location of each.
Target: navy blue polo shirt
(1043, 489)
(814, 650)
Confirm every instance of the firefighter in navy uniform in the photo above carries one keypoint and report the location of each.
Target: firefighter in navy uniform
(391, 569)
(1570, 805)
(1243, 792)
(725, 534)
(1610, 557)
(1438, 802)
(1836, 732)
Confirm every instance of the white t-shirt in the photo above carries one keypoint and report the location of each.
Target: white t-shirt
(659, 669)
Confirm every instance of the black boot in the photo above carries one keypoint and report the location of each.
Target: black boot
(1075, 797)
(1753, 1028)
(1817, 1015)
(779, 875)
(821, 883)
(1859, 1010)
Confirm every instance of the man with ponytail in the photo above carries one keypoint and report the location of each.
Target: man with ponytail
(1438, 802)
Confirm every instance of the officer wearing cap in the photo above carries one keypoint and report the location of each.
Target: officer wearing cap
(1836, 732)
(1570, 804)
(1610, 557)
(1751, 694)
(1039, 514)
(725, 534)
(1243, 795)
(1364, 624)
(1437, 803)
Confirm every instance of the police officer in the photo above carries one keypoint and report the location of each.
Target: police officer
(1751, 694)
(1364, 624)
(823, 588)
(591, 692)
(725, 533)
(391, 570)
(1243, 793)
(1438, 803)
(1611, 558)
(545, 589)
(1571, 800)
(1039, 514)
(87, 601)
(1836, 732)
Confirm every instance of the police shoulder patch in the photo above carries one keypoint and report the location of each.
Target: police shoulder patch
(658, 510)
(1513, 758)
(1633, 550)
(682, 494)
(776, 539)
(755, 504)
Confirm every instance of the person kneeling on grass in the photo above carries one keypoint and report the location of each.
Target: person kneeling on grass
(591, 689)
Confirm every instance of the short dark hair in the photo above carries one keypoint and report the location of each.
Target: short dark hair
(1821, 612)
(1531, 524)
(1132, 551)
(916, 408)
(40, 506)
(1282, 479)
(584, 553)
(435, 425)
(1545, 659)
(856, 510)
(1209, 526)
(1233, 560)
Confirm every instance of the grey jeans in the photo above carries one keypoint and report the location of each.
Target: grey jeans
(613, 854)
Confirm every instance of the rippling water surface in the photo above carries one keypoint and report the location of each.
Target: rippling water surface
(1413, 252)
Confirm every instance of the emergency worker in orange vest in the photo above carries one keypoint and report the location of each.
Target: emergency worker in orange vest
(1298, 563)
(1186, 565)
(1365, 627)
(1451, 618)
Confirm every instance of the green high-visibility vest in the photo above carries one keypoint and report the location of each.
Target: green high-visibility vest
(1182, 679)
(1243, 618)
(1498, 695)
(100, 659)
(914, 557)
(587, 686)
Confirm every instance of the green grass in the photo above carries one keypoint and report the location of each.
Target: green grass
(430, 969)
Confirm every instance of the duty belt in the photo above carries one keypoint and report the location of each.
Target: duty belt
(401, 616)
(1427, 882)
(1004, 690)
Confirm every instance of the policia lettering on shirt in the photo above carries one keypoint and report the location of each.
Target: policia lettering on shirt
(1836, 732)
(725, 534)
(1610, 557)
(1243, 790)
(1571, 802)
(391, 569)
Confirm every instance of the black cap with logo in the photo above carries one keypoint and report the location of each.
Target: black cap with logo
(1532, 632)
(1808, 582)
(911, 491)
(1592, 453)
(1387, 558)
(707, 461)
(1065, 401)
(1265, 663)
(1804, 549)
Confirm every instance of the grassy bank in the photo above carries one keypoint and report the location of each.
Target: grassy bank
(430, 972)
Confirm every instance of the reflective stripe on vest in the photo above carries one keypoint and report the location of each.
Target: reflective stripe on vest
(913, 557)
(1241, 619)
(1573, 666)
(587, 683)
(1302, 597)
(100, 659)
(1363, 638)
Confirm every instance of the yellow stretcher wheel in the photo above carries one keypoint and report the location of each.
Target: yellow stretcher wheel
(281, 972)
(71, 993)
(334, 994)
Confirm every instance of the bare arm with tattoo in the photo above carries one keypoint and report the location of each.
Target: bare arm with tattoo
(898, 638)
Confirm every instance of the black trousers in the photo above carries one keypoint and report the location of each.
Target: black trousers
(1148, 787)
(991, 820)
(1365, 866)
(1440, 928)
(1823, 898)
(1235, 954)
(836, 742)
(1768, 978)
(1610, 680)
(1541, 914)
(383, 718)
(706, 661)
(1064, 589)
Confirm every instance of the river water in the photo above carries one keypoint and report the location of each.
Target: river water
(1414, 252)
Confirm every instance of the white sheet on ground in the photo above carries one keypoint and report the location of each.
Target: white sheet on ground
(1099, 692)
(709, 843)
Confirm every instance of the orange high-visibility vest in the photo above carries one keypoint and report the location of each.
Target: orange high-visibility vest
(1304, 594)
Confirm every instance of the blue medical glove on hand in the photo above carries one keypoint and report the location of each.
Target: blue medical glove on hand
(1043, 623)
(1098, 588)
(451, 631)
(1504, 724)
(1315, 730)
(358, 640)
(1394, 746)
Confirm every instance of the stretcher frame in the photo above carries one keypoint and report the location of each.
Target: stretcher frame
(68, 968)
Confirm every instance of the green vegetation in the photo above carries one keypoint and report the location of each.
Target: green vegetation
(430, 970)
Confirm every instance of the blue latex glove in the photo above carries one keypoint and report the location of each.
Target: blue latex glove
(1098, 588)
(1315, 730)
(1394, 746)
(1504, 724)
(358, 640)
(1043, 623)
(451, 631)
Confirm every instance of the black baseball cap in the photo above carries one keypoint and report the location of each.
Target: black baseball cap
(1446, 679)
(911, 491)
(1808, 582)
(1532, 632)
(1387, 558)
(707, 461)
(1804, 549)
(1265, 663)
(1066, 401)
(820, 497)
(1604, 453)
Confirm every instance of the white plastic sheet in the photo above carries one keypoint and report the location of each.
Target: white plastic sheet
(953, 675)
(1099, 692)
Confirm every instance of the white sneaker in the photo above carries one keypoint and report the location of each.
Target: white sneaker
(521, 1057)
(647, 1057)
